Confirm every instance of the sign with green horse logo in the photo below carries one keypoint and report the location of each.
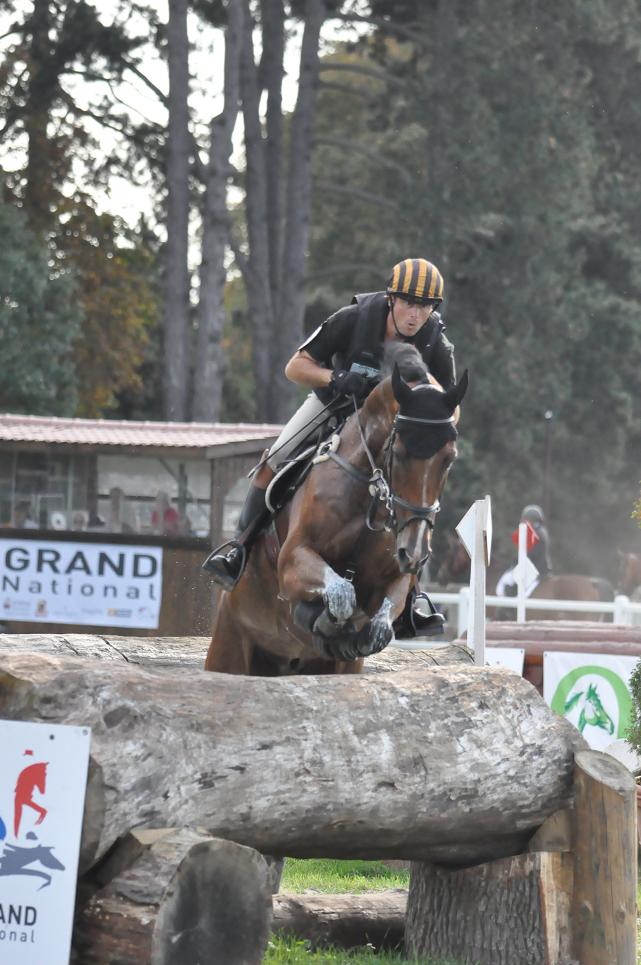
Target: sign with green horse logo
(592, 691)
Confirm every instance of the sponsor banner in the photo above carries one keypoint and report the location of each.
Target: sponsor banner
(43, 775)
(96, 584)
(511, 657)
(592, 691)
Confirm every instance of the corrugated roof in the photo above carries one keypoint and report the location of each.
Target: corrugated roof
(105, 432)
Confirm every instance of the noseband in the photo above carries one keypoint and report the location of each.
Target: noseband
(380, 482)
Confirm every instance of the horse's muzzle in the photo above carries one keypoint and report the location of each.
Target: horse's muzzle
(408, 563)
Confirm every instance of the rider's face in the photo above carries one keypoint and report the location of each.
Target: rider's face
(409, 318)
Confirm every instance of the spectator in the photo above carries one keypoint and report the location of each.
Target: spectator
(118, 513)
(165, 519)
(22, 516)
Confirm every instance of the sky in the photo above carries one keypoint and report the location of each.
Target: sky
(129, 201)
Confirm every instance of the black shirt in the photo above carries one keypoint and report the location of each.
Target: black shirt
(356, 333)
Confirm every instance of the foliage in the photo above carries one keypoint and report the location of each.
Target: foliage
(506, 156)
(39, 321)
(335, 877)
(120, 306)
(633, 735)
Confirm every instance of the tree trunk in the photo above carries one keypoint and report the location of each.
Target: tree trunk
(453, 765)
(176, 308)
(346, 921)
(42, 84)
(605, 889)
(208, 366)
(186, 899)
(257, 268)
(299, 186)
(509, 912)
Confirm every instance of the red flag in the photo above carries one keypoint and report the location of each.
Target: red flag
(531, 537)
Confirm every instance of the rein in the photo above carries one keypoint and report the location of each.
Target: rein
(380, 482)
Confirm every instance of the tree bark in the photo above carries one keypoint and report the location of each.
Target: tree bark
(186, 899)
(209, 360)
(345, 921)
(42, 84)
(605, 890)
(258, 268)
(299, 187)
(176, 307)
(453, 765)
(510, 912)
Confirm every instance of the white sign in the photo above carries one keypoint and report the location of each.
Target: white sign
(43, 774)
(592, 691)
(96, 584)
(511, 657)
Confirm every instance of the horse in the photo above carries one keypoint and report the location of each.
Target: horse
(324, 585)
(455, 568)
(629, 575)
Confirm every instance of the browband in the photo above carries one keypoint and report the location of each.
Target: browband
(433, 422)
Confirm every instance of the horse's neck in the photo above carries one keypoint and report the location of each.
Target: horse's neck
(376, 419)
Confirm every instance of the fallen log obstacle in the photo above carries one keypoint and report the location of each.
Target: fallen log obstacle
(186, 898)
(453, 767)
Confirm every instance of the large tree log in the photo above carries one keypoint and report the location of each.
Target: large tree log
(515, 911)
(188, 653)
(346, 921)
(453, 765)
(605, 878)
(186, 899)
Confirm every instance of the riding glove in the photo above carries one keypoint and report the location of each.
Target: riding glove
(345, 384)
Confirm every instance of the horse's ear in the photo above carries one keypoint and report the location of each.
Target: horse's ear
(454, 396)
(402, 391)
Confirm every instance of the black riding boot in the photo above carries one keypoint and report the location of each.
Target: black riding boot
(227, 562)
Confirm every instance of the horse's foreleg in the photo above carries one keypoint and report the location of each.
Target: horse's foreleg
(320, 599)
(228, 651)
(376, 634)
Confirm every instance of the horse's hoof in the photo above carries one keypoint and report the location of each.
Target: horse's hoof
(326, 626)
(305, 613)
(340, 647)
(340, 598)
(373, 638)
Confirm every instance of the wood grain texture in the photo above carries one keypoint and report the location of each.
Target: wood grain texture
(606, 861)
(515, 911)
(453, 765)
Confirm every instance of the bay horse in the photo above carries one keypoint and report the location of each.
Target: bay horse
(455, 568)
(323, 590)
(629, 575)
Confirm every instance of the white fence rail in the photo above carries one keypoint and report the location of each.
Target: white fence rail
(621, 609)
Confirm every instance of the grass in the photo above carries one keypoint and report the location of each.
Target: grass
(335, 877)
(339, 877)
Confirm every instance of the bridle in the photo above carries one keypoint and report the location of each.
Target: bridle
(379, 483)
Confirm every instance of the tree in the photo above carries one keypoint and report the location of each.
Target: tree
(118, 301)
(39, 321)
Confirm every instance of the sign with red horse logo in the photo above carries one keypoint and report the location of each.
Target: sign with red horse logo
(43, 775)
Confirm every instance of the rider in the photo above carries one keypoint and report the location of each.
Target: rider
(539, 554)
(339, 362)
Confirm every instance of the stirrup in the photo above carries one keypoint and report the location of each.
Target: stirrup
(217, 566)
(426, 624)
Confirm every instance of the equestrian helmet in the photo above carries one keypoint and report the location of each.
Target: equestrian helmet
(533, 513)
(417, 278)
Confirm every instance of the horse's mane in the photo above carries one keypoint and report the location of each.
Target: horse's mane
(407, 357)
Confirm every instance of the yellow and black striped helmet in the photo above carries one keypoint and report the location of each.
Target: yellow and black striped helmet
(418, 278)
